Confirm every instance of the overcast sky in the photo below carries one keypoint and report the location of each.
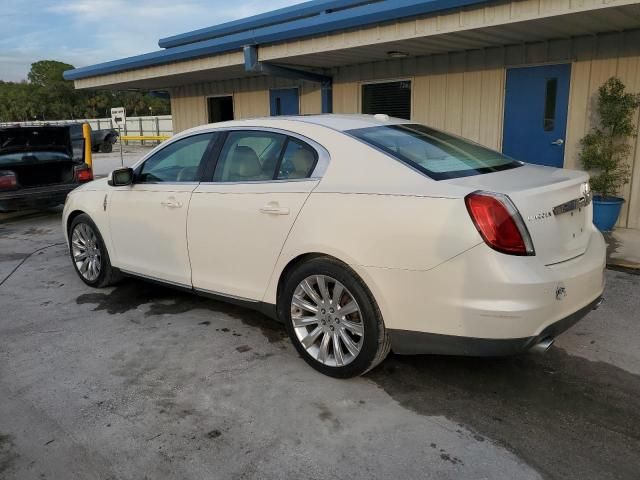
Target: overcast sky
(84, 32)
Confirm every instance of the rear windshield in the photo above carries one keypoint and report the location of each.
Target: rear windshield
(22, 139)
(434, 153)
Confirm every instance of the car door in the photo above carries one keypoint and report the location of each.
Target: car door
(238, 222)
(148, 219)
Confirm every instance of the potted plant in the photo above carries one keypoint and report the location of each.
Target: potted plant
(606, 149)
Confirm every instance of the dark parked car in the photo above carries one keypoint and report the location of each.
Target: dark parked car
(103, 140)
(39, 165)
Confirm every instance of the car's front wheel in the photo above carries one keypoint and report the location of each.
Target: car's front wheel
(332, 318)
(89, 254)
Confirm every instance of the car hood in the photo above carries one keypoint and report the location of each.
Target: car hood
(95, 185)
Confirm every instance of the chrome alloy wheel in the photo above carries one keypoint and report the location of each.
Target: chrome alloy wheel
(327, 320)
(86, 252)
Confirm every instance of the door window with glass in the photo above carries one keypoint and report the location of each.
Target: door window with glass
(249, 156)
(298, 160)
(178, 162)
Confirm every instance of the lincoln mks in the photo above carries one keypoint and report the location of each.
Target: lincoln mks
(363, 234)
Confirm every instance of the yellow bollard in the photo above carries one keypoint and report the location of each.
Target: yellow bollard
(86, 134)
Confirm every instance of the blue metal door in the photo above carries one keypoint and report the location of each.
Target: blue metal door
(284, 101)
(535, 114)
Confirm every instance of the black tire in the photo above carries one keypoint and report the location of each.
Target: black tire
(106, 146)
(375, 341)
(108, 275)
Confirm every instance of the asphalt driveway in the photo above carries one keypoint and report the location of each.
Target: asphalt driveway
(139, 381)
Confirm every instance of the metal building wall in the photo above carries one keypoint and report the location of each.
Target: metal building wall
(462, 93)
(250, 99)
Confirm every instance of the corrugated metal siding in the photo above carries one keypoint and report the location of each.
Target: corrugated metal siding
(597, 59)
(250, 99)
(462, 93)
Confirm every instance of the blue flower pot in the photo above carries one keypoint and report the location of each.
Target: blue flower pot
(606, 212)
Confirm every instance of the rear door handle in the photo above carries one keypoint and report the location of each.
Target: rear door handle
(274, 209)
(559, 142)
(171, 203)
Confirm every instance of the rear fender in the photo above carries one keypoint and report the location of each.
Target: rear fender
(381, 231)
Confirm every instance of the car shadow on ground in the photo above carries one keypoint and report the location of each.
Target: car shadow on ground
(131, 293)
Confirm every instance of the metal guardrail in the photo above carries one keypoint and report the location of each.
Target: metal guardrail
(142, 138)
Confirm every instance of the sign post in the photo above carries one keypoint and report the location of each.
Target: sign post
(119, 117)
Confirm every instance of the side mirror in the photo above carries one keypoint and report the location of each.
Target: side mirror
(121, 177)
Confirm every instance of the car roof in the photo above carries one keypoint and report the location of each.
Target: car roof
(344, 122)
(340, 122)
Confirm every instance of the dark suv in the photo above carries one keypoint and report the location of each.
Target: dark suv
(40, 165)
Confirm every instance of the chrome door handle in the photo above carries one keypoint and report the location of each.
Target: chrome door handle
(559, 142)
(171, 204)
(274, 209)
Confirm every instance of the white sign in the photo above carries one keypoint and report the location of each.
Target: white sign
(118, 116)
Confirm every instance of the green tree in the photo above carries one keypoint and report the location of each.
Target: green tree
(606, 149)
(46, 73)
(48, 96)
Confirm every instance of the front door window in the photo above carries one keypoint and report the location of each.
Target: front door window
(177, 162)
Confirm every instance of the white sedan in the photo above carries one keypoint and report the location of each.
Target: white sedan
(363, 234)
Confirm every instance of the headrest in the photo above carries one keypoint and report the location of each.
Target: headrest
(244, 164)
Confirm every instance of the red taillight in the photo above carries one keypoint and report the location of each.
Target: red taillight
(499, 223)
(84, 173)
(8, 180)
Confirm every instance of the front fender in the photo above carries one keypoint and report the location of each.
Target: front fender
(91, 202)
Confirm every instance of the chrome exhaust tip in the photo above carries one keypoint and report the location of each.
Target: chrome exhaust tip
(598, 303)
(543, 345)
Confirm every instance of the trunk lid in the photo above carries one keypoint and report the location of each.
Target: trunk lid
(554, 204)
(42, 155)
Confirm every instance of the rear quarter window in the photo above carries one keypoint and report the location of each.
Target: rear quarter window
(436, 154)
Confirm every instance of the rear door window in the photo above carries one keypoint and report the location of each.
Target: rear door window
(434, 153)
(298, 160)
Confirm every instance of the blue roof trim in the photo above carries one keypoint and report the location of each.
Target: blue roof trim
(282, 15)
(385, 11)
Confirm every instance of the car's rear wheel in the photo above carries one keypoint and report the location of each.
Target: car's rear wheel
(332, 318)
(89, 254)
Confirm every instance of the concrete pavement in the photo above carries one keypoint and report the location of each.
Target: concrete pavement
(140, 381)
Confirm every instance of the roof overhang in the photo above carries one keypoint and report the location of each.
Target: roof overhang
(469, 28)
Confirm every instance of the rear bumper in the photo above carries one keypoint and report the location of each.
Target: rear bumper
(485, 301)
(405, 342)
(36, 197)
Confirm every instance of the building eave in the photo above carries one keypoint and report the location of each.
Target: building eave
(475, 27)
(356, 17)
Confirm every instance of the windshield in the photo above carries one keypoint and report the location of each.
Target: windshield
(434, 153)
